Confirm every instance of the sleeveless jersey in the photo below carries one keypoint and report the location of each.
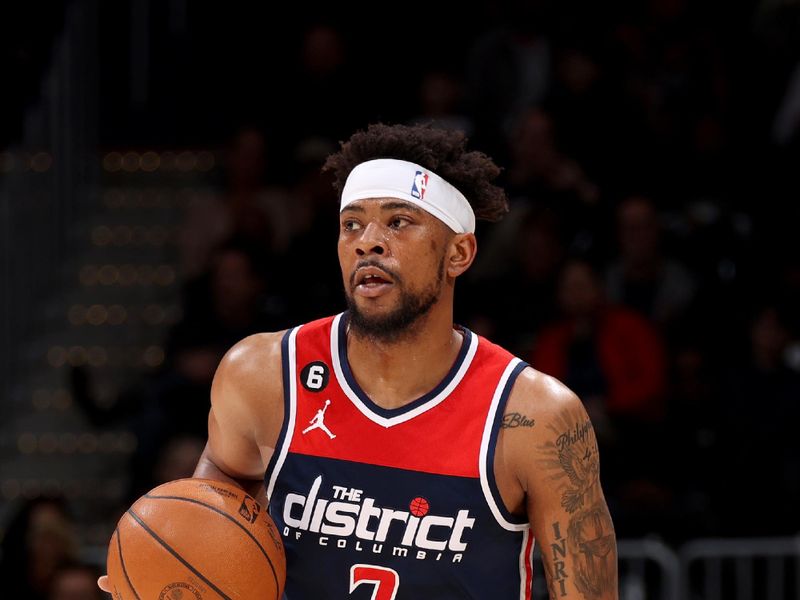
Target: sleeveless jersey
(394, 504)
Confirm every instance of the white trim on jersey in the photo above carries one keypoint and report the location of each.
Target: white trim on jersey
(484, 462)
(292, 386)
(406, 416)
(525, 562)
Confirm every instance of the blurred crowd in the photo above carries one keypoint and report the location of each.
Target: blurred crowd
(648, 261)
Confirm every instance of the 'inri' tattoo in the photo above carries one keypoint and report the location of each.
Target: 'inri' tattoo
(513, 420)
(558, 574)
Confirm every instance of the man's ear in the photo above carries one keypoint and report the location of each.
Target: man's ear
(461, 251)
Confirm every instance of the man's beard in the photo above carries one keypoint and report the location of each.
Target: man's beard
(398, 323)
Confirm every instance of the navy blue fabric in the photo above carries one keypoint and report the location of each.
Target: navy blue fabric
(319, 563)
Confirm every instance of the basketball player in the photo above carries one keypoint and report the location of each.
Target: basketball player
(404, 457)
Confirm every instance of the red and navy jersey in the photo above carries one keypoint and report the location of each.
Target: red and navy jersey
(394, 504)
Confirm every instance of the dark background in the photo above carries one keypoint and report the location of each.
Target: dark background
(650, 259)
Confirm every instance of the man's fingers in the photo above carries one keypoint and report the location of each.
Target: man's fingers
(103, 584)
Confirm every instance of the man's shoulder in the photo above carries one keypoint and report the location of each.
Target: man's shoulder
(249, 377)
(542, 397)
(540, 411)
(255, 353)
(261, 351)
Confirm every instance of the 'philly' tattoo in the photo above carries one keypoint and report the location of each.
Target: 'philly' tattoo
(515, 419)
(574, 462)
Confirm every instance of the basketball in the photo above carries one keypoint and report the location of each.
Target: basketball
(196, 539)
(419, 507)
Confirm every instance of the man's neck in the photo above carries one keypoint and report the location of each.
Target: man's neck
(396, 373)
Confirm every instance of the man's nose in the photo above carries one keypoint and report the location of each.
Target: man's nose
(372, 241)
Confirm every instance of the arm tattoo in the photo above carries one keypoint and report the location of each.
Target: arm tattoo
(572, 462)
(514, 419)
(591, 539)
(558, 575)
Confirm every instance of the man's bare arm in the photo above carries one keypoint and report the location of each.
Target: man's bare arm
(207, 469)
(246, 414)
(559, 468)
(245, 417)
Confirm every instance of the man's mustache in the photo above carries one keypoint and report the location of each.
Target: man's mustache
(373, 263)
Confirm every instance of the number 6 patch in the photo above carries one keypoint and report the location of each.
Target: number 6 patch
(314, 376)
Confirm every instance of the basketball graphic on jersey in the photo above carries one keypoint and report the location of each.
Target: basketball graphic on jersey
(385, 494)
(419, 507)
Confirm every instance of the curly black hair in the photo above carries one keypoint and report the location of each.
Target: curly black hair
(442, 151)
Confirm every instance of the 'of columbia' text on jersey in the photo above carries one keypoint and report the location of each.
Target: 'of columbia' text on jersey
(396, 504)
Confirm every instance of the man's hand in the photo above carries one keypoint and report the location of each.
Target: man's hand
(103, 584)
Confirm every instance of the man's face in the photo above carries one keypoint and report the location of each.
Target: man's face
(75, 584)
(580, 294)
(392, 257)
(235, 284)
(638, 230)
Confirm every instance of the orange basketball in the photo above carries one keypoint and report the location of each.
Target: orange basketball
(196, 539)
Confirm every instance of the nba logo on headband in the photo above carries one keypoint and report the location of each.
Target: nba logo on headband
(389, 178)
(419, 185)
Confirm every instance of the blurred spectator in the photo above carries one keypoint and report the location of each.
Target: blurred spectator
(669, 75)
(786, 124)
(245, 207)
(324, 95)
(441, 102)
(38, 540)
(614, 360)
(76, 581)
(310, 277)
(542, 174)
(178, 458)
(610, 356)
(694, 413)
(760, 442)
(538, 164)
(520, 265)
(642, 277)
(789, 279)
(314, 206)
(166, 411)
(582, 105)
(234, 297)
(508, 71)
(232, 300)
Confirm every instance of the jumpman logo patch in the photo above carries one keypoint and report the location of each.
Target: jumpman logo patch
(318, 421)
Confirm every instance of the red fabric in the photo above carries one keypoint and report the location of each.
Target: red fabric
(529, 568)
(631, 355)
(457, 422)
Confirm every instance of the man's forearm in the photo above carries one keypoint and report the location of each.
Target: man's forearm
(207, 469)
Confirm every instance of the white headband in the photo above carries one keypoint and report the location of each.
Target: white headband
(392, 178)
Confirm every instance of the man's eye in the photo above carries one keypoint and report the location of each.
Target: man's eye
(398, 222)
(349, 225)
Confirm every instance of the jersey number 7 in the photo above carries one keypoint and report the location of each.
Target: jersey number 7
(385, 580)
